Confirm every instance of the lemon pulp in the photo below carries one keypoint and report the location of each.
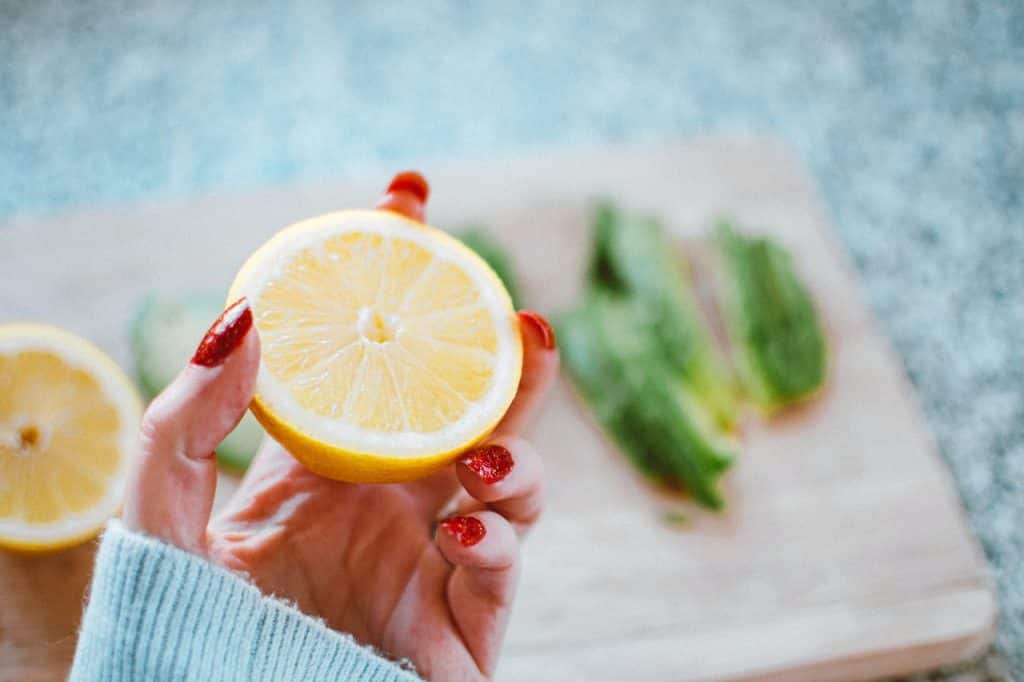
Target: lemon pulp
(385, 344)
(67, 419)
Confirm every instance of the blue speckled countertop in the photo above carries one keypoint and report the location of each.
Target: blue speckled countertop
(910, 114)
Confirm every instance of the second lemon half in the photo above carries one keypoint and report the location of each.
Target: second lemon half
(388, 347)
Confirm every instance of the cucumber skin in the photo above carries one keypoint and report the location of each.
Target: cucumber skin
(158, 360)
(632, 255)
(494, 255)
(777, 336)
(635, 395)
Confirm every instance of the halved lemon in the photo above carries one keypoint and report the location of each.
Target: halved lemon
(68, 419)
(388, 347)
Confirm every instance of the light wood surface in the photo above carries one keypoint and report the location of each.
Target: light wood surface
(843, 554)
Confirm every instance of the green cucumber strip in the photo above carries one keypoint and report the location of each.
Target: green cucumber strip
(675, 428)
(638, 398)
(164, 336)
(633, 256)
(775, 331)
(494, 255)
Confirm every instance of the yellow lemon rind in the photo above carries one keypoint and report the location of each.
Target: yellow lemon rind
(339, 464)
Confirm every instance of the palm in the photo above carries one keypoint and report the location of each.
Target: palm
(364, 558)
(385, 581)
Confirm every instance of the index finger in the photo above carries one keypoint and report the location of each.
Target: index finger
(540, 368)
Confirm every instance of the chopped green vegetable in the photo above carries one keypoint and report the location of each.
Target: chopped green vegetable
(487, 248)
(777, 337)
(164, 336)
(633, 256)
(642, 359)
(621, 372)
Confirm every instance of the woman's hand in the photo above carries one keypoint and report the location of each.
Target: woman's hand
(389, 564)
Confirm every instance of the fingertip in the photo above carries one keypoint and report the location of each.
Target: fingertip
(518, 496)
(478, 540)
(412, 182)
(225, 335)
(211, 394)
(540, 368)
(244, 363)
(538, 330)
(406, 195)
(468, 530)
(503, 467)
(485, 465)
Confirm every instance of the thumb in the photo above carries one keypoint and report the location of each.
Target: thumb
(174, 476)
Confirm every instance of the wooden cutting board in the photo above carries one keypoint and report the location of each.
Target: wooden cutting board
(843, 554)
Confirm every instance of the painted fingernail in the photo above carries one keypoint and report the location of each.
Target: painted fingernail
(412, 182)
(547, 334)
(225, 335)
(490, 462)
(468, 530)
(407, 195)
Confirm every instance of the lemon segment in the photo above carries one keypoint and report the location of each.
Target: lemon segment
(387, 346)
(68, 419)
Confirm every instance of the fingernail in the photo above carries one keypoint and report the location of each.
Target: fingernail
(490, 462)
(468, 530)
(412, 182)
(406, 195)
(547, 334)
(225, 335)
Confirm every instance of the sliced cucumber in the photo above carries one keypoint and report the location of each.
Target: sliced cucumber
(637, 395)
(633, 256)
(777, 336)
(164, 337)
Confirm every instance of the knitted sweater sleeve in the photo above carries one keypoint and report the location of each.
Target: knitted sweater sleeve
(158, 613)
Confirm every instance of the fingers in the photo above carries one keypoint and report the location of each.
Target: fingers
(540, 368)
(504, 476)
(507, 475)
(484, 549)
(171, 486)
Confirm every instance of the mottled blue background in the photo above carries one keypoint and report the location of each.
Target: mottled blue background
(910, 114)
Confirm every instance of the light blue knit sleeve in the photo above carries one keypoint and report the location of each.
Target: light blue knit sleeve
(158, 613)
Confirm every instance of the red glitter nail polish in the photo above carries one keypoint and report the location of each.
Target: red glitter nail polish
(490, 462)
(412, 182)
(547, 334)
(225, 335)
(468, 530)
(406, 195)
